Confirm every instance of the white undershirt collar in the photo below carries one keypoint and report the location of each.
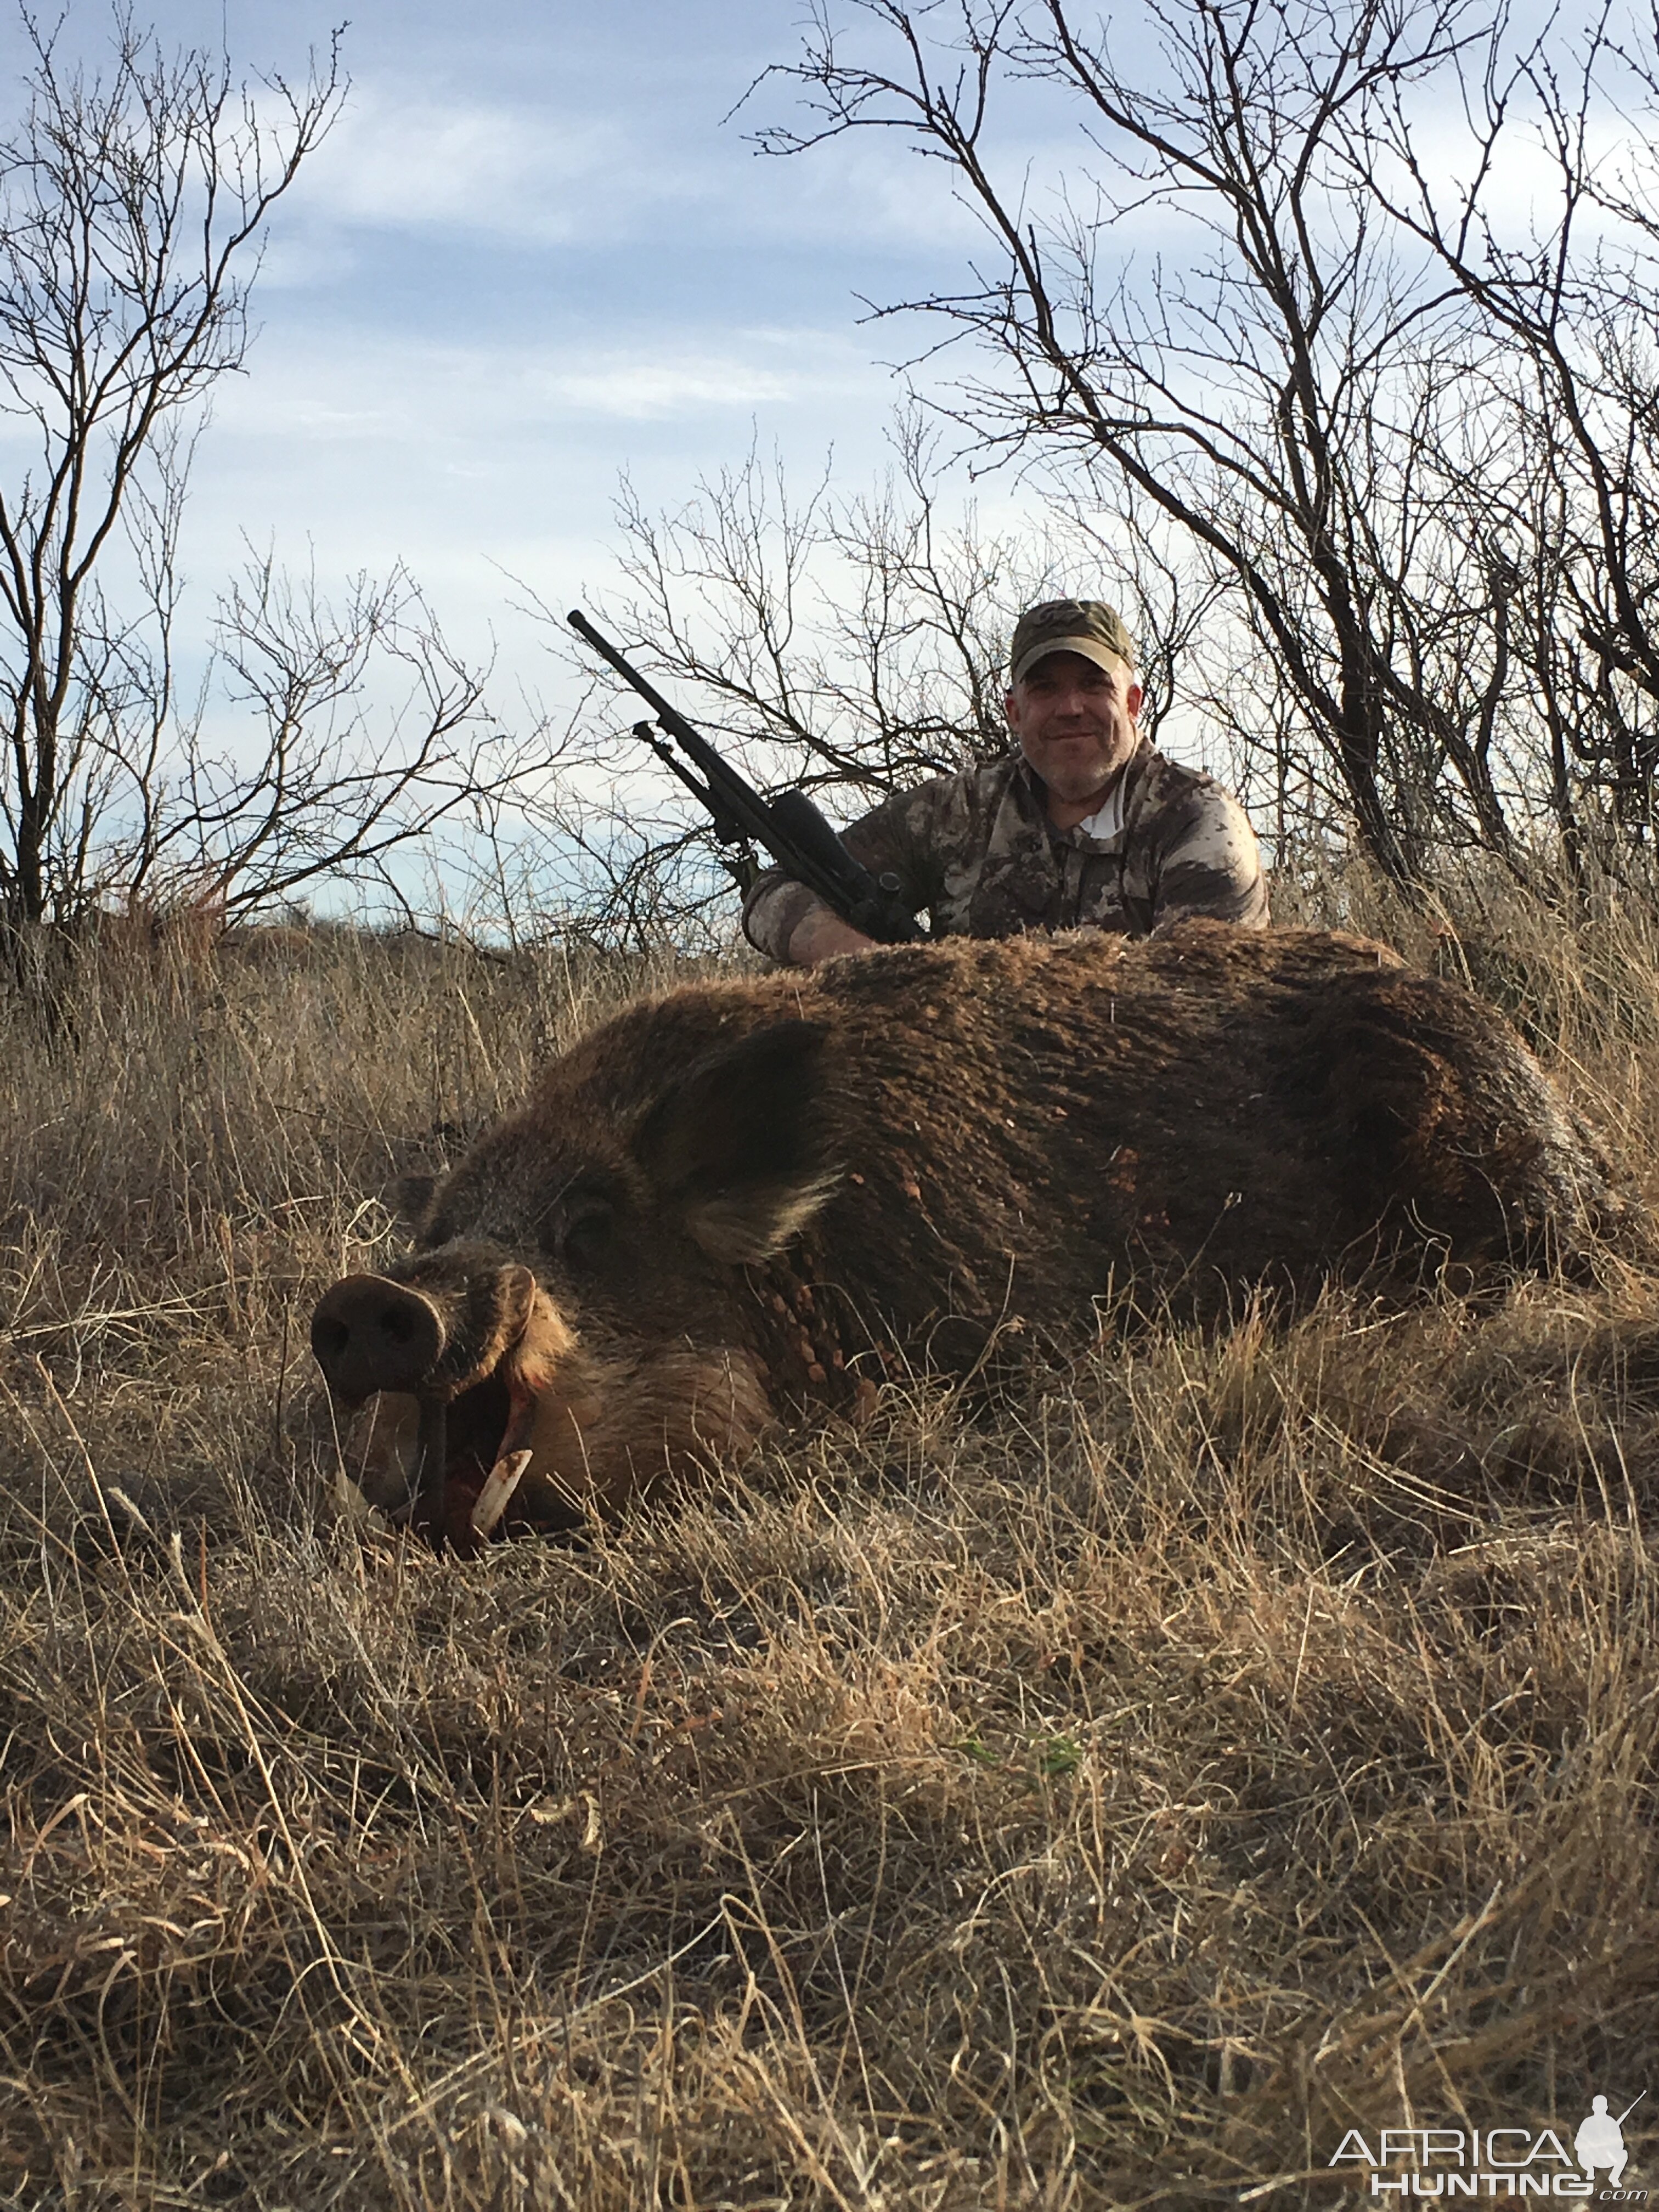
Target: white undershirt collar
(1108, 822)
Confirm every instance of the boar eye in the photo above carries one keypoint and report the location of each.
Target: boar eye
(584, 1233)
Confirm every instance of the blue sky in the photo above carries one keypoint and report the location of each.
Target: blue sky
(536, 253)
(531, 256)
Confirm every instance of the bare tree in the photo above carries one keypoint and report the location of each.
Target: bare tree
(1565, 283)
(371, 733)
(1371, 452)
(1294, 382)
(133, 205)
(857, 640)
(849, 647)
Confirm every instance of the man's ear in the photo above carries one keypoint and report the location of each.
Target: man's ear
(741, 1142)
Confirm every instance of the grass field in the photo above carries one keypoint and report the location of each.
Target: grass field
(1250, 1737)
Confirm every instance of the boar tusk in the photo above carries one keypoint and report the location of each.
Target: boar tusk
(500, 1484)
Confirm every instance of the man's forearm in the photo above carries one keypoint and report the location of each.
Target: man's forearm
(789, 924)
(821, 934)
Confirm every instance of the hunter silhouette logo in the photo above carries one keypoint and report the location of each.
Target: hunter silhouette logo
(1600, 2141)
(1485, 2163)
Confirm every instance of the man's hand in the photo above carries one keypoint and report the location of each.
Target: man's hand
(820, 935)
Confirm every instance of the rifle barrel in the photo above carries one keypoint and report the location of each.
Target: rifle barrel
(744, 804)
(606, 650)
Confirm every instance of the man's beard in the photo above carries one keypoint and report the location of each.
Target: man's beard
(1075, 784)
(1072, 782)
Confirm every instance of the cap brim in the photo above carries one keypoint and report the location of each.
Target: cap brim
(1091, 649)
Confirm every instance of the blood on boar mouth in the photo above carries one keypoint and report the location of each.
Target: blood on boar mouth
(489, 1416)
(469, 1392)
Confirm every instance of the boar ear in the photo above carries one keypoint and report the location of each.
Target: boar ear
(741, 1142)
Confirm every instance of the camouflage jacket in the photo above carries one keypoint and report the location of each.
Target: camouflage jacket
(977, 852)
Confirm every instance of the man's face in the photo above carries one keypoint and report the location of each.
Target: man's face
(1075, 722)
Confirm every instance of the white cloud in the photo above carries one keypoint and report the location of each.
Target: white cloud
(648, 391)
(468, 461)
(404, 158)
(480, 397)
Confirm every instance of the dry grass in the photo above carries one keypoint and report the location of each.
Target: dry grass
(1242, 1737)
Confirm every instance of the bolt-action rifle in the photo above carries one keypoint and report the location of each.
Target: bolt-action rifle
(789, 826)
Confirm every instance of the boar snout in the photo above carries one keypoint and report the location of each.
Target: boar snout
(370, 1335)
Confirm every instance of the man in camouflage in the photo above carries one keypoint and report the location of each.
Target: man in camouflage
(1082, 824)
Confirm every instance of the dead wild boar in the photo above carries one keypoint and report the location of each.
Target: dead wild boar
(741, 1198)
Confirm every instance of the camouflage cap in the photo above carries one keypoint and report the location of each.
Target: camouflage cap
(1087, 626)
